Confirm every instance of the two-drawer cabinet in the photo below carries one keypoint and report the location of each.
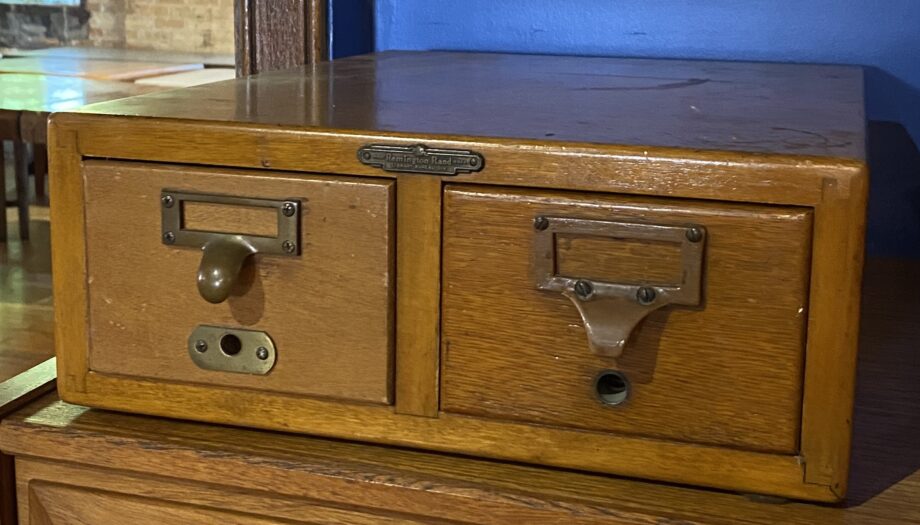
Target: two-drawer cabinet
(646, 268)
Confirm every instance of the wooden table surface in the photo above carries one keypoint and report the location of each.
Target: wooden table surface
(885, 486)
(101, 53)
(49, 93)
(189, 78)
(92, 68)
(35, 96)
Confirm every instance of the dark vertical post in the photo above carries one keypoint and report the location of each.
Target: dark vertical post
(3, 225)
(279, 34)
(7, 491)
(22, 188)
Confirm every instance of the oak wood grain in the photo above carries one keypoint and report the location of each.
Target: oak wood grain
(419, 276)
(111, 500)
(223, 218)
(578, 449)
(769, 181)
(743, 107)
(152, 456)
(328, 310)
(727, 373)
(737, 149)
(833, 330)
(69, 259)
(714, 175)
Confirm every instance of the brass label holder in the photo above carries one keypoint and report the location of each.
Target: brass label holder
(610, 311)
(232, 350)
(226, 252)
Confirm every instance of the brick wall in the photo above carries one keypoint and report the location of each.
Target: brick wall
(204, 26)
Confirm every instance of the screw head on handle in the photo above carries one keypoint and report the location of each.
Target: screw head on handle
(584, 290)
(646, 295)
(694, 234)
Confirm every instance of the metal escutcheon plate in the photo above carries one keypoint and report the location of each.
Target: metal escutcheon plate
(232, 350)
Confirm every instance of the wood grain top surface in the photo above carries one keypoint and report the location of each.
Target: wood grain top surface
(724, 106)
(885, 485)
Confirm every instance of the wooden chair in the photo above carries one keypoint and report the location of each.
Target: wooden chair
(9, 131)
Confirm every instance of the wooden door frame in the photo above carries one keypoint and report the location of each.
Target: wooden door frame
(279, 34)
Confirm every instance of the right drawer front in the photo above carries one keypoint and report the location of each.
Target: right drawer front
(726, 371)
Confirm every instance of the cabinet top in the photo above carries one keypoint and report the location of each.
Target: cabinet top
(699, 105)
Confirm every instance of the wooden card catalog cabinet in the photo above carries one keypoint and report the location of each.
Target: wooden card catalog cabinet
(636, 267)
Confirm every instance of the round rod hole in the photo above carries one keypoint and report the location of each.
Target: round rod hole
(230, 344)
(611, 388)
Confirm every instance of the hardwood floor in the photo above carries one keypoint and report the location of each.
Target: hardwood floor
(25, 296)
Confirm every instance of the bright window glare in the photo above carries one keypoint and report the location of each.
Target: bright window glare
(65, 3)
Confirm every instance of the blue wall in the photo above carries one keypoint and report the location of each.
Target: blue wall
(351, 27)
(881, 34)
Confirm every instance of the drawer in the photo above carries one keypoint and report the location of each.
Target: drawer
(696, 310)
(318, 311)
(59, 493)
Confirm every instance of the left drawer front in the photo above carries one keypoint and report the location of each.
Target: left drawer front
(327, 309)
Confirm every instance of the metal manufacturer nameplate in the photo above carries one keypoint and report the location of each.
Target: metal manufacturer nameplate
(420, 159)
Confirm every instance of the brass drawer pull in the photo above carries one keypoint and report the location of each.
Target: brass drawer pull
(226, 252)
(220, 266)
(610, 311)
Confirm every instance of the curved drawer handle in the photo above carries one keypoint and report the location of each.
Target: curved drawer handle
(610, 311)
(220, 266)
(225, 253)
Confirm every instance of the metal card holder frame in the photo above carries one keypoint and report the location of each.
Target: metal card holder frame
(610, 311)
(288, 211)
